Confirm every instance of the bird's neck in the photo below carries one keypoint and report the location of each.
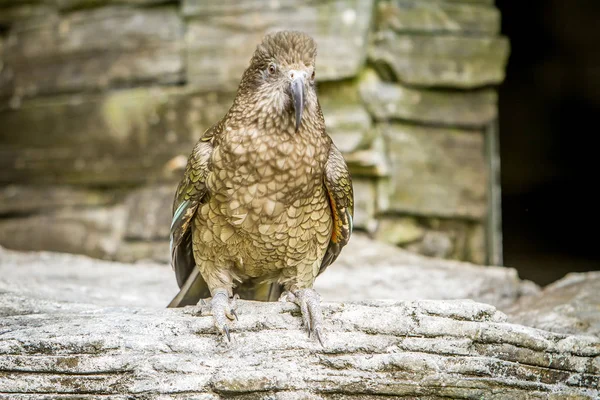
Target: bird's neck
(274, 114)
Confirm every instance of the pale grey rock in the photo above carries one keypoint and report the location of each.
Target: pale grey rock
(349, 126)
(149, 212)
(453, 61)
(570, 305)
(93, 231)
(143, 251)
(455, 239)
(428, 349)
(125, 137)
(77, 279)
(437, 17)
(369, 269)
(222, 35)
(386, 101)
(365, 270)
(94, 49)
(437, 171)
(25, 199)
(365, 204)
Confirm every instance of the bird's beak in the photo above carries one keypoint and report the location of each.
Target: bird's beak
(298, 97)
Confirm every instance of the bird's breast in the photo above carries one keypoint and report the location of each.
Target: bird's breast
(267, 207)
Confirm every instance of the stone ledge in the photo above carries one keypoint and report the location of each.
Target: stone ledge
(430, 349)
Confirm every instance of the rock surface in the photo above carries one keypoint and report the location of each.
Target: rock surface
(222, 36)
(437, 17)
(441, 61)
(570, 305)
(365, 270)
(388, 101)
(94, 49)
(438, 171)
(77, 327)
(110, 96)
(429, 349)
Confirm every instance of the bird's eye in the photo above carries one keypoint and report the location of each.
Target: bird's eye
(313, 75)
(271, 68)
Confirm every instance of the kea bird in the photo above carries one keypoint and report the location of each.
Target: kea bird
(266, 201)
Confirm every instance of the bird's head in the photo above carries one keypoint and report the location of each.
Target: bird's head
(281, 77)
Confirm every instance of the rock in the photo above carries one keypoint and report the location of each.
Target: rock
(570, 305)
(437, 171)
(143, 251)
(386, 100)
(96, 232)
(462, 62)
(365, 204)
(222, 35)
(11, 13)
(453, 239)
(365, 270)
(447, 238)
(434, 16)
(122, 137)
(368, 269)
(77, 4)
(149, 213)
(134, 136)
(77, 279)
(435, 244)
(94, 49)
(25, 199)
(5, 79)
(350, 127)
(399, 231)
(477, 246)
(432, 349)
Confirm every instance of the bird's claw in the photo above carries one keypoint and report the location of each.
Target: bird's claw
(310, 306)
(223, 311)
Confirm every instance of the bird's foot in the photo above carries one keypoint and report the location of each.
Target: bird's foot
(309, 302)
(222, 308)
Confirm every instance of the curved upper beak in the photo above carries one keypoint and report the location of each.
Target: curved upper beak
(298, 96)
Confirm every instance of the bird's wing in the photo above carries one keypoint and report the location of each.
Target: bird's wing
(190, 193)
(338, 184)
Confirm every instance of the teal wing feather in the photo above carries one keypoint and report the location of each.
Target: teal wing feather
(190, 193)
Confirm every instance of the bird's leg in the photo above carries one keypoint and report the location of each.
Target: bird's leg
(309, 302)
(222, 308)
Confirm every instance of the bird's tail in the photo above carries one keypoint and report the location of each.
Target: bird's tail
(195, 288)
(191, 292)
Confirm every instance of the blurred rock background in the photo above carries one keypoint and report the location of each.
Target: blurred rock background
(102, 101)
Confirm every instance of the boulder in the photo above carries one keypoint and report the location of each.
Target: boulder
(365, 270)
(437, 171)
(426, 349)
(420, 59)
(119, 138)
(570, 305)
(437, 17)
(93, 49)
(222, 36)
(393, 101)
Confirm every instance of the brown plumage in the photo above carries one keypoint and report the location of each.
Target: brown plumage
(266, 201)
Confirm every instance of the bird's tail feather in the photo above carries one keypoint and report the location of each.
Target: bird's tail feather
(195, 288)
(191, 292)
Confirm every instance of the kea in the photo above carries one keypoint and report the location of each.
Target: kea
(266, 201)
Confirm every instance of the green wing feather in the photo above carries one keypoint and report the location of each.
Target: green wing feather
(190, 193)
